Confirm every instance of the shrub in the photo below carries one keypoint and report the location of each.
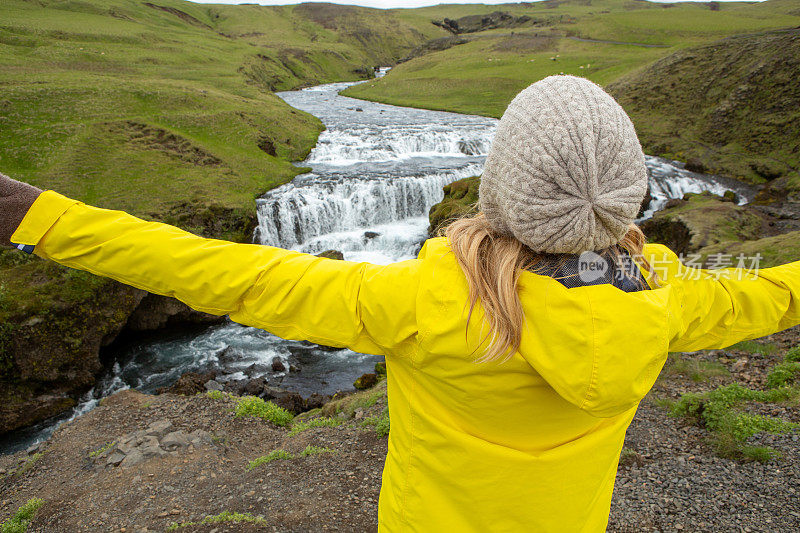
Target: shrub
(299, 427)
(696, 370)
(22, 518)
(254, 406)
(216, 394)
(102, 449)
(227, 517)
(755, 347)
(716, 410)
(379, 422)
(274, 455)
(783, 374)
(793, 354)
(315, 450)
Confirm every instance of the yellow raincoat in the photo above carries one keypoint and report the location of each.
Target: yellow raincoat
(528, 445)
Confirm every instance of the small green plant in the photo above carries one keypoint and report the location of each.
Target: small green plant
(731, 428)
(630, 457)
(755, 347)
(728, 447)
(27, 465)
(301, 426)
(783, 374)
(105, 447)
(219, 439)
(274, 455)
(664, 403)
(348, 405)
(254, 406)
(379, 422)
(32, 460)
(216, 394)
(225, 517)
(315, 450)
(22, 518)
(793, 354)
(697, 370)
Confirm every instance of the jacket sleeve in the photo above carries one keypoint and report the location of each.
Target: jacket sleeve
(368, 308)
(718, 308)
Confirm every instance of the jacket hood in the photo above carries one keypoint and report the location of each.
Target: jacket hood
(598, 347)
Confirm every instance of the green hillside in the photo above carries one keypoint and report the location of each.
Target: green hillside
(164, 109)
(141, 105)
(598, 39)
(729, 107)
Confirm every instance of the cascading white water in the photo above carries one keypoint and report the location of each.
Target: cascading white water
(361, 143)
(377, 170)
(668, 179)
(291, 215)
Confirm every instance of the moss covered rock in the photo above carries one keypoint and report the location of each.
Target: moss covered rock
(773, 250)
(701, 220)
(366, 381)
(54, 322)
(460, 198)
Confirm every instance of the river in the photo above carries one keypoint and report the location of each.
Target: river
(376, 171)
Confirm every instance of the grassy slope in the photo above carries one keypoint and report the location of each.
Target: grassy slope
(483, 75)
(135, 107)
(733, 105)
(166, 112)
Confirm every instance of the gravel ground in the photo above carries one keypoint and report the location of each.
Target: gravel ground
(670, 479)
(678, 483)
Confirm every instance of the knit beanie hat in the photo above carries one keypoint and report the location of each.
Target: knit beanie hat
(565, 172)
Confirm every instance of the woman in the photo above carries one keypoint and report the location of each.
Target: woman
(518, 346)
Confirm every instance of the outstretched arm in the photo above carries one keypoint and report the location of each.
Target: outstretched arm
(365, 307)
(715, 309)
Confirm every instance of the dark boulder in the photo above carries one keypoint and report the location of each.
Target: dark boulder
(189, 383)
(332, 254)
(366, 381)
(277, 365)
(694, 164)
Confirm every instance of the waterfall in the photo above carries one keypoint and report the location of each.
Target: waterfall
(368, 143)
(292, 214)
(669, 179)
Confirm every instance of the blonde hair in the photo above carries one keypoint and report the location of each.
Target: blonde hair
(493, 263)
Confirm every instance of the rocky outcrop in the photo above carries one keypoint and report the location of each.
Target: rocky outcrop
(434, 45)
(155, 312)
(707, 225)
(214, 221)
(700, 220)
(50, 342)
(475, 23)
(49, 347)
(160, 439)
(460, 198)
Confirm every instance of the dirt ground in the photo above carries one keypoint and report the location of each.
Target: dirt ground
(670, 481)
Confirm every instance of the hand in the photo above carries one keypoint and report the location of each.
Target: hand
(16, 198)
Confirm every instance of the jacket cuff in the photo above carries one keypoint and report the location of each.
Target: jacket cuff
(44, 212)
